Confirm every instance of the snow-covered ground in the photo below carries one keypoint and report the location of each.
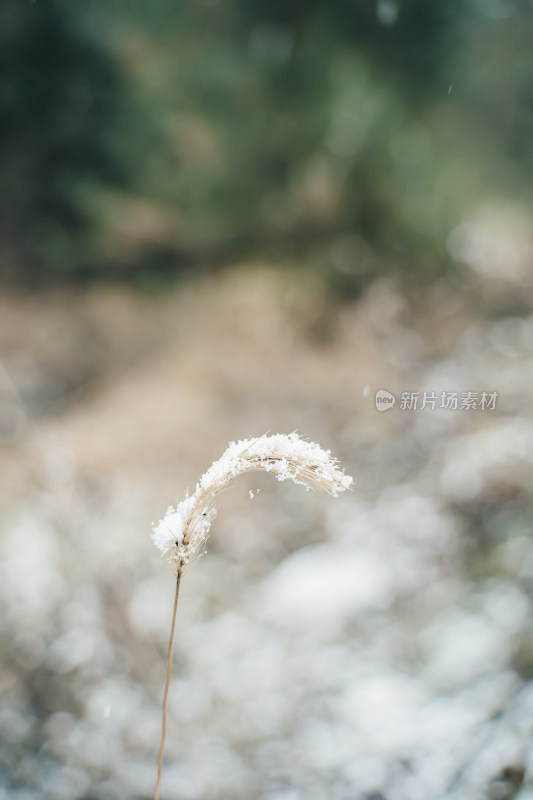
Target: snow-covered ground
(372, 646)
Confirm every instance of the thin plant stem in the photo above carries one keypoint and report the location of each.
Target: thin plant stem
(165, 696)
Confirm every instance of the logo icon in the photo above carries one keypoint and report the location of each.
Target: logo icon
(384, 400)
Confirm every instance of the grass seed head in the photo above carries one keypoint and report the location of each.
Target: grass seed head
(183, 532)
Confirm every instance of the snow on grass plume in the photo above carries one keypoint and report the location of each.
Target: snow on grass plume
(183, 532)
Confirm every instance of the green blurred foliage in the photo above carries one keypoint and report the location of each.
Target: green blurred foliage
(64, 111)
(144, 138)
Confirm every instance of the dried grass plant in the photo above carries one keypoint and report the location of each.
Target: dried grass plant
(183, 532)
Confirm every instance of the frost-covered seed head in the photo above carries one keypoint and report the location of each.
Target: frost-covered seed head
(182, 533)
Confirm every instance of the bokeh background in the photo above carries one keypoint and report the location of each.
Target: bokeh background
(219, 219)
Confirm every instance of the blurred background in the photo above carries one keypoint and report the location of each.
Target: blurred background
(219, 219)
